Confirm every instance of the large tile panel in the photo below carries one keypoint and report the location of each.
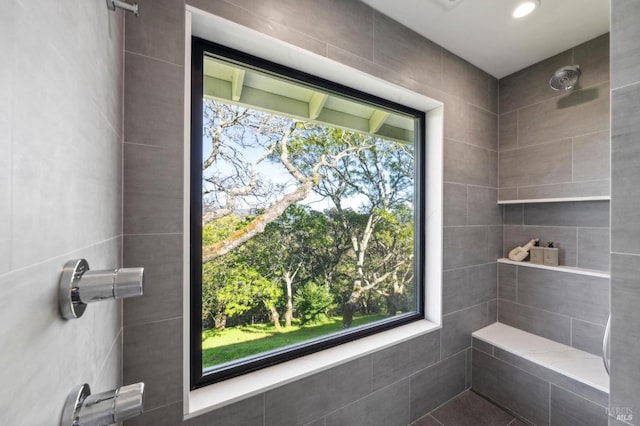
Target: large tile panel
(437, 384)
(455, 294)
(153, 192)
(400, 49)
(153, 354)
(482, 206)
(593, 58)
(583, 214)
(587, 336)
(386, 407)
(395, 363)
(625, 184)
(307, 399)
(523, 393)
(160, 255)
(577, 296)
(591, 157)
(470, 409)
(625, 50)
(513, 214)
(252, 19)
(565, 190)
(546, 324)
(481, 283)
(578, 113)
(544, 164)
(154, 101)
(569, 409)
(507, 282)
(625, 334)
(39, 340)
(465, 246)
(458, 326)
(593, 248)
(7, 31)
(468, 164)
(158, 32)
(585, 391)
(57, 159)
(455, 117)
(482, 128)
(508, 130)
(531, 85)
(347, 25)
(467, 81)
(248, 412)
(455, 204)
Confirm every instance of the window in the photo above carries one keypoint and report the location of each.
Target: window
(307, 214)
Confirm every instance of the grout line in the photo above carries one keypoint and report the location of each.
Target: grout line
(517, 273)
(571, 331)
(549, 406)
(466, 215)
(153, 58)
(635, 83)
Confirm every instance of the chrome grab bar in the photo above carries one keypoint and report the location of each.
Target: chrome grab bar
(606, 359)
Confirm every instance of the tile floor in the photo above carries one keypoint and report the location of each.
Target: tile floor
(469, 409)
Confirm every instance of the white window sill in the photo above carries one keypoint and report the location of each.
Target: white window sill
(229, 391)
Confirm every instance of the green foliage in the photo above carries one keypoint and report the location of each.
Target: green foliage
(219, 346)
(313, 302)
(316, 257)
(232, 286)
(217, 231)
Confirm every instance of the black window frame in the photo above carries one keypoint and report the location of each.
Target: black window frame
(198, 377)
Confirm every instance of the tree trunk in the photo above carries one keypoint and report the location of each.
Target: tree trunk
(288, 314)
(348, 309)
(275, 317)
(360, 248)
(220, 322)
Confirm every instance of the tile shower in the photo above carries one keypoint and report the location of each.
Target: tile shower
(475, 233)
(553, 146)
(433, 369)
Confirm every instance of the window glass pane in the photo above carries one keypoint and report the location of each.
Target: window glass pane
(308, 214)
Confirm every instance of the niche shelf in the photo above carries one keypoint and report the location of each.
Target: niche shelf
(567, 269)
(556, 200)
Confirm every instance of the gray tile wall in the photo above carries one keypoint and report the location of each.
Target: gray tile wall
(413, 377)
(571, 309)
(61, 82)
(625, 198)
(533, 392)
(554, 144)
(580, 230)
(568, 308)
(557, 145)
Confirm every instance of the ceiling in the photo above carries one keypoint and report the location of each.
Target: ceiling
(484, 33)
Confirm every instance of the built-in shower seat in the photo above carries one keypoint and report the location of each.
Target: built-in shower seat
(540, 380)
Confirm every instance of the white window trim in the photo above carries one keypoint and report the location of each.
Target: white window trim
(214, 28)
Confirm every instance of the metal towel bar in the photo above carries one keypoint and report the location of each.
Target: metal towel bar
(605, 346)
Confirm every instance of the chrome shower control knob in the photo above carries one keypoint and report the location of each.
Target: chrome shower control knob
(128, 282)
(80, 286)
(106, 408)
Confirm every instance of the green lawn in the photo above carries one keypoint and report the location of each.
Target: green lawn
(232, 343)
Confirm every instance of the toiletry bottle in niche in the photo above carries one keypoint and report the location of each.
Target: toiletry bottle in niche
(551, 255)
(520, 253)
(537, 254)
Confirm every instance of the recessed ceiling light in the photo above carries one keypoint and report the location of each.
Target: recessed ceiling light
(524, 8)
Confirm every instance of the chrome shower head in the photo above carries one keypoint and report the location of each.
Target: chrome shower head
(565, 78)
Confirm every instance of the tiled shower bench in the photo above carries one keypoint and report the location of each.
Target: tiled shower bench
(539, 380)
